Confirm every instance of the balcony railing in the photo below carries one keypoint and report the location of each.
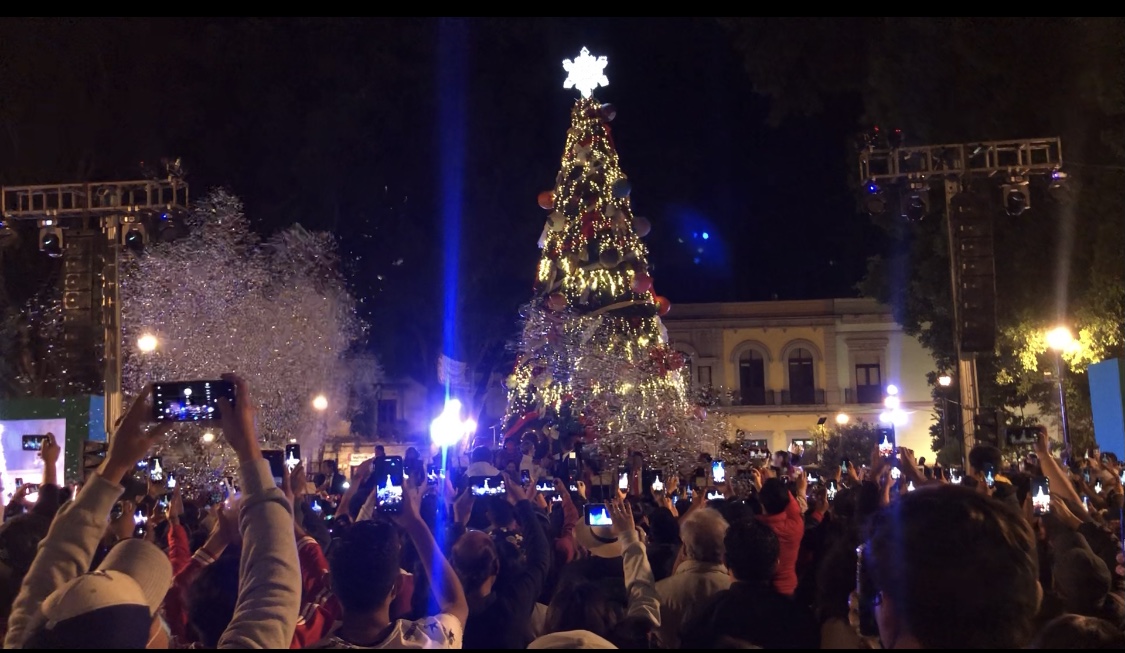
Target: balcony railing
(864, 394)
(808, 397)
(763, 397)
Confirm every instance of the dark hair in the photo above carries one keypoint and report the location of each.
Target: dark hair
(331, 464)
(212, 596)
(951, 546)
(1072, 631)
(983, 455)
(500, 513)
(365, 565)
(481, 454)
(786, 457)
(736, 511)
(774, 496)
(411, 454)
(751, 551)
(475, 560)
(663, 527)
(582, 606)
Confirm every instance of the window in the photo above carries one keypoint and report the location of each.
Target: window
(807, 447)
(704, 375)
(868, 383)
(802, 386)
(388, 411)
(752, 378)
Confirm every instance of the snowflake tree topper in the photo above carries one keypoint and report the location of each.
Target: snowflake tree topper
(585, 73)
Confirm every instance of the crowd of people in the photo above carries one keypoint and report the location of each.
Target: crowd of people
(887, 553)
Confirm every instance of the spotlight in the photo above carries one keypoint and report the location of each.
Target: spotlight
(50, 238)
(916, 203)
(1059, 187)
(133, 236)
(1016, 198)
(874, 202)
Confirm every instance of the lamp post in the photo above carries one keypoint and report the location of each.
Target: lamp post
(147, 343)
(1059, 340)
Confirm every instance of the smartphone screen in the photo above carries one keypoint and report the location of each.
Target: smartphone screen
(813, 479)
(388, 484)
(189, 401)
(711, 496)
(597, 514)
(525, 477)
(139, 517)
(276, 458)
(657, 485)
(955, 476)
(622, 479)
(484, 486)
(1040, 495)
(886, 437)
(116, 511)
(171, 481)
(545, 486)
(844, 467)
(431, 475)
(719, 471)
(292, 456)
(19, 482)
(989, 476)
(33, 442)
(833, 488)
(155, 469)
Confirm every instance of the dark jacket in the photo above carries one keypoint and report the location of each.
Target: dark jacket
(754, 614)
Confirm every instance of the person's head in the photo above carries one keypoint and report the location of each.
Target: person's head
(527, 444)
(1081, 581)
(380, 451)
(211, 598)
(511, 445)
(951, 546)
(702, 533)
(582, 605)
(774, 496)
(751, 550)
(1072, 631)
(983, 455)
(501, 514)
(411, 455)
(663, 527)
(476, 562)
(115, 606)
(364, 566)
(480, 454)
(781, 459)
(328, 466)
(513, 469)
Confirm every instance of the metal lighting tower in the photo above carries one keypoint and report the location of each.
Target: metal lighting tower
(968, 226)
(87, 225)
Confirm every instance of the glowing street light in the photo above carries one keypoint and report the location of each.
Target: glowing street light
(448, 428)
(208, 437)
(1060, 339)
(842, 418)
(945, 380)
(893, 404)
(320, 402)
(147, 343)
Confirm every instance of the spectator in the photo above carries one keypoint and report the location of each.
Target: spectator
(699, 575)
(480, 463)
(1072, 631)
(954, 547)
(751, 610)
(783, 514)
(366, 577)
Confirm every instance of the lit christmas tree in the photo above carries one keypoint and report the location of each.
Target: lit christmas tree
(594, 359)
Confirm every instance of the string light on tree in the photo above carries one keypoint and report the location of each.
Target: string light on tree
(594, 360)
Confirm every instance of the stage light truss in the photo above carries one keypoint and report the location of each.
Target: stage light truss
(982, 159)
(102, 198)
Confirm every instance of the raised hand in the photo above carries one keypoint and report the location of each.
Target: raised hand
(621, 515)
(133, 438)
(238, 420)
(51, 451)
(514, 490)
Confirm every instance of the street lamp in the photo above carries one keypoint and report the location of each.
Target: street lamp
(208, 437)
(945, 380)
(147, 343)
(320, 403)
(1059, 340)
(842, 418)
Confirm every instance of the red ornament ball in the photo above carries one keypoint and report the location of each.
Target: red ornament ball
(547, 199)
(700, 413)
(642, 283)
(663, 306)
(556, 301)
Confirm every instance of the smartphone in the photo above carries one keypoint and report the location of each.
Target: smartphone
(189, 401)
(483, 486)
(163, 501)
(719, 471)
(171, 485)
(155, 469)
(844, 466)
(989, 476)
(622, 479)
(1040, 495)
(955, 476)
(1098, 487)
(525, 477)
(276, 459)
(33, 442)
(139, 518)
(388, 484)
(19, 482)
(896, 473)
(1086, 475)
(597, 514)
(431, 475)
(1021, 436)
(657, 485)
(556, 498)
(572, 487)
(833, 488)
(1086, 502)
(813, 479)
(292, 456)
(715, 495)
(886, 438)
(116, 511)
(545, 487)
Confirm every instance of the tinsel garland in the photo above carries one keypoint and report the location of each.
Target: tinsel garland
(275, 312)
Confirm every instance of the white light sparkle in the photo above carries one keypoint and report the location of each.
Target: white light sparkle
(585, 73)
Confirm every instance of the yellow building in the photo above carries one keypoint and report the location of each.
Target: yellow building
(782, 366)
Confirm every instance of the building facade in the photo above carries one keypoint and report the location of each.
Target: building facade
(780, 367)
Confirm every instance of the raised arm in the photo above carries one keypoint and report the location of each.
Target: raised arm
(444, 583)
(640, 584)
(269, 587)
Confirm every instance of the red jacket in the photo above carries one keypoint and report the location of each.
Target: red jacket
(789, 526)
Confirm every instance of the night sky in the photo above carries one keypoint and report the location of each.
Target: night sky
(339, 124)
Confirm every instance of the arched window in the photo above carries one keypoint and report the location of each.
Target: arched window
(752, 378)
(802, 383)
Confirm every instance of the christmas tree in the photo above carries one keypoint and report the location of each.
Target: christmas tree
(594, 360)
